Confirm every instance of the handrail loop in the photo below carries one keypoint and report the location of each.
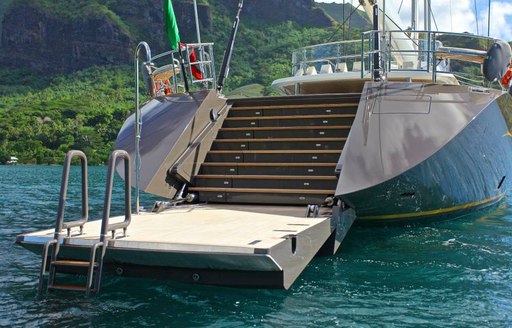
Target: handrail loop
(59, 225)
(105, 226)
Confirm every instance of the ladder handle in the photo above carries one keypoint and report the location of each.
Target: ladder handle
(63, 192)
(90, 272)
(105, 226)
(46, 247)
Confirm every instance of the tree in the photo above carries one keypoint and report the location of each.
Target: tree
(4, 156)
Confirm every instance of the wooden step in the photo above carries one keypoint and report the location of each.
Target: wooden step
(280, 110)
(268, 168)
(261, 195)
(279, 144)
(285, 132)
(266, 190)
(75, 288)
(266, 181)
(289, 120)
(294, 106)
(274, 156)
(71, 263)
(250, 176)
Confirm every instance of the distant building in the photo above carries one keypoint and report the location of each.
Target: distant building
(12, 161)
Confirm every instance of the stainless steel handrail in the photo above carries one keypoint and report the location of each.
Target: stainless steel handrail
(59, 224)
(105, 226)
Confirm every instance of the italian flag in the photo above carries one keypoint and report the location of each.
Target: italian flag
(171, 27)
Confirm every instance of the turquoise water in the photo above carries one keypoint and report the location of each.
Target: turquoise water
(455, 273)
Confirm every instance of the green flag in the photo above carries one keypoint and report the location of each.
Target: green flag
(171, 28)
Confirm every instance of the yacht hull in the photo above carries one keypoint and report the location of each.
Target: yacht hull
(473, 169)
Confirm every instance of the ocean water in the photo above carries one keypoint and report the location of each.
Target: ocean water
(455, 273)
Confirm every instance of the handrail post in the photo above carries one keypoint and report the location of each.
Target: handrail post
(138, 119)
(105, 226)
(59, 224)
(434, 60)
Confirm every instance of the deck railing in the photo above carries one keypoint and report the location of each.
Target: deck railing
(174, 71)
(458, 54)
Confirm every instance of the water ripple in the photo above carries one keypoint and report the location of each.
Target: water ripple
(455, 273)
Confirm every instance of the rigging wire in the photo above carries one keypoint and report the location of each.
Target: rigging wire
(433, 16)
(343, 17)
(400, 8)
(341, 25)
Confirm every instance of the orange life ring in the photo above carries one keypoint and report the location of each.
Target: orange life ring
(163, 85)
(505, 80)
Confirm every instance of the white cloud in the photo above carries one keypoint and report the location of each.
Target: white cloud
(459, 15)
(501, 17)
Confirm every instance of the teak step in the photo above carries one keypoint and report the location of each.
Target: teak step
(268, 168)
(262, 196)
(264, 181)
(249, 176)
(294, 106)
(266, 190)
(279, 144)
(75, 288)
(273, 156)
(285, 132)
(279, 110)
(289, 120)
(83, 264)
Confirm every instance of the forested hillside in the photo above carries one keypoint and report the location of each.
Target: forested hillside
(46, 109)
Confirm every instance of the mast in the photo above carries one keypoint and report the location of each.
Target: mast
(428, 23)
(489, 20)
(376, 42)
(414, 14)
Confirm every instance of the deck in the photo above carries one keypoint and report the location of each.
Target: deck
(248, 240)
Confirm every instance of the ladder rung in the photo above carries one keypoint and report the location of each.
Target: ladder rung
(77, 288)
(83, 264)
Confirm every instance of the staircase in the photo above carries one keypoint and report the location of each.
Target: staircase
(280, 150)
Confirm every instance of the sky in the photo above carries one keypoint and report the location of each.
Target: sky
(459, 15)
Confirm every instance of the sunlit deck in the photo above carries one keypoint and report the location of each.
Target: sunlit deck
(206, 237)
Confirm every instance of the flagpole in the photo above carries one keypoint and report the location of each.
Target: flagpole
(201, 55)
(197, 22)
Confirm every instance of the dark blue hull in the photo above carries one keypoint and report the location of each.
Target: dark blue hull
(473, 170)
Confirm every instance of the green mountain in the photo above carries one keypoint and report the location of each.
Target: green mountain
(346, 13)
(67, 76)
